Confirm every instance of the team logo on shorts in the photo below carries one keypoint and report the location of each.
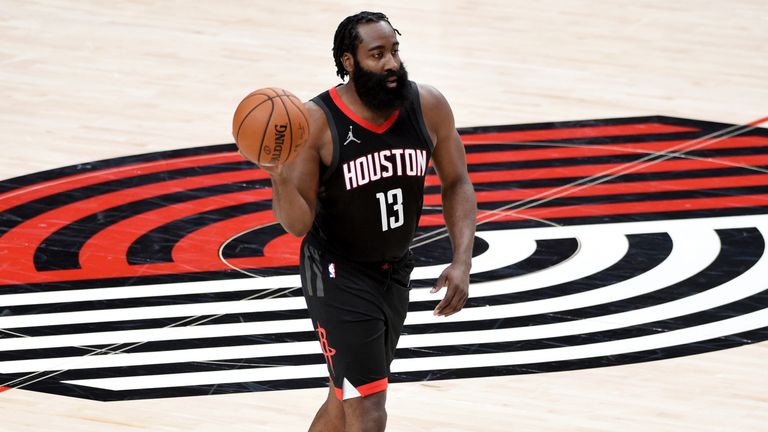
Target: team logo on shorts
(328, 351)
(331, 270)
(599, 243)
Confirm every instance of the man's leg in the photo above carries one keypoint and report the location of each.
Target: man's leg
(330, 416)
(366, 414)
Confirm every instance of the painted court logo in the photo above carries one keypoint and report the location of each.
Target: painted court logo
(599, 243)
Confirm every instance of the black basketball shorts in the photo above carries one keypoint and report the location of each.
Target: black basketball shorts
(357, 311)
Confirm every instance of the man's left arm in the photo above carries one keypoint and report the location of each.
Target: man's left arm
(459, 202)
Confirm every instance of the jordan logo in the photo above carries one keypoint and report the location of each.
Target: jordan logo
(351, 137)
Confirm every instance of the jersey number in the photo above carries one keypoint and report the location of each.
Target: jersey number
(391, 203)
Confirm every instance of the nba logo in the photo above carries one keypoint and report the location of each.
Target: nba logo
(331, 270)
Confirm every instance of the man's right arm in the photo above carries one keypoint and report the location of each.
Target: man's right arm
(295, 184)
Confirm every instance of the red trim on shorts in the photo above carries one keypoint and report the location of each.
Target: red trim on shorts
(2, 389)
(365, 389)
(359, 120)
(339, 393)
(374, 387)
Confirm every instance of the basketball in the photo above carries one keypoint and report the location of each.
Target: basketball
(270, 126)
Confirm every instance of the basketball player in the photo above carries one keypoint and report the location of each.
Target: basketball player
(355, 192)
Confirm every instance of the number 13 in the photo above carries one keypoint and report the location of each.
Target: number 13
(395, 198)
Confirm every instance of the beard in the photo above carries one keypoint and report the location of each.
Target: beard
(372, 88)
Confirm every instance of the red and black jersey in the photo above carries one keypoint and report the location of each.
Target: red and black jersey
(370, 197)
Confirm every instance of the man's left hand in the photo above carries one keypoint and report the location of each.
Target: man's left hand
(456, 280)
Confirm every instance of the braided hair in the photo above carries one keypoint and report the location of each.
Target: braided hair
(347, 38)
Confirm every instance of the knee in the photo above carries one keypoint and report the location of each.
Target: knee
(371, 420)
(378, 418)
(366, 414)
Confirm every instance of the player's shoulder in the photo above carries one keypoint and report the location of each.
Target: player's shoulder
(434, 107)
(317, 117)
(318, 124)
(314, 110)
(430, 96)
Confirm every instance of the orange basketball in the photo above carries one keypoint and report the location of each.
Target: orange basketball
(270, 126)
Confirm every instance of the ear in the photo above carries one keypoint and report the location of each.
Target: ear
(348, 62)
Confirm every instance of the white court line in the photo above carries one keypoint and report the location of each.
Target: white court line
(157, 334)
(139, 291)
(153, 312)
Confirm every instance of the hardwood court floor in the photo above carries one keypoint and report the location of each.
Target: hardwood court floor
(83, 81)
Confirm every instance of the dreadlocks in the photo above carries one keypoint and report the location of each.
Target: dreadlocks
(347, 38)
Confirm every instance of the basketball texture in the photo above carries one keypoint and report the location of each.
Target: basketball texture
(270, 126)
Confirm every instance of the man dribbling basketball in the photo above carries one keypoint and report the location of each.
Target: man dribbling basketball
(355, 191)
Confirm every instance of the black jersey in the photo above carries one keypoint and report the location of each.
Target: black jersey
(370, 197)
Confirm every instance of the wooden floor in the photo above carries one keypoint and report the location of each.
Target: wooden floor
(88, 80)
